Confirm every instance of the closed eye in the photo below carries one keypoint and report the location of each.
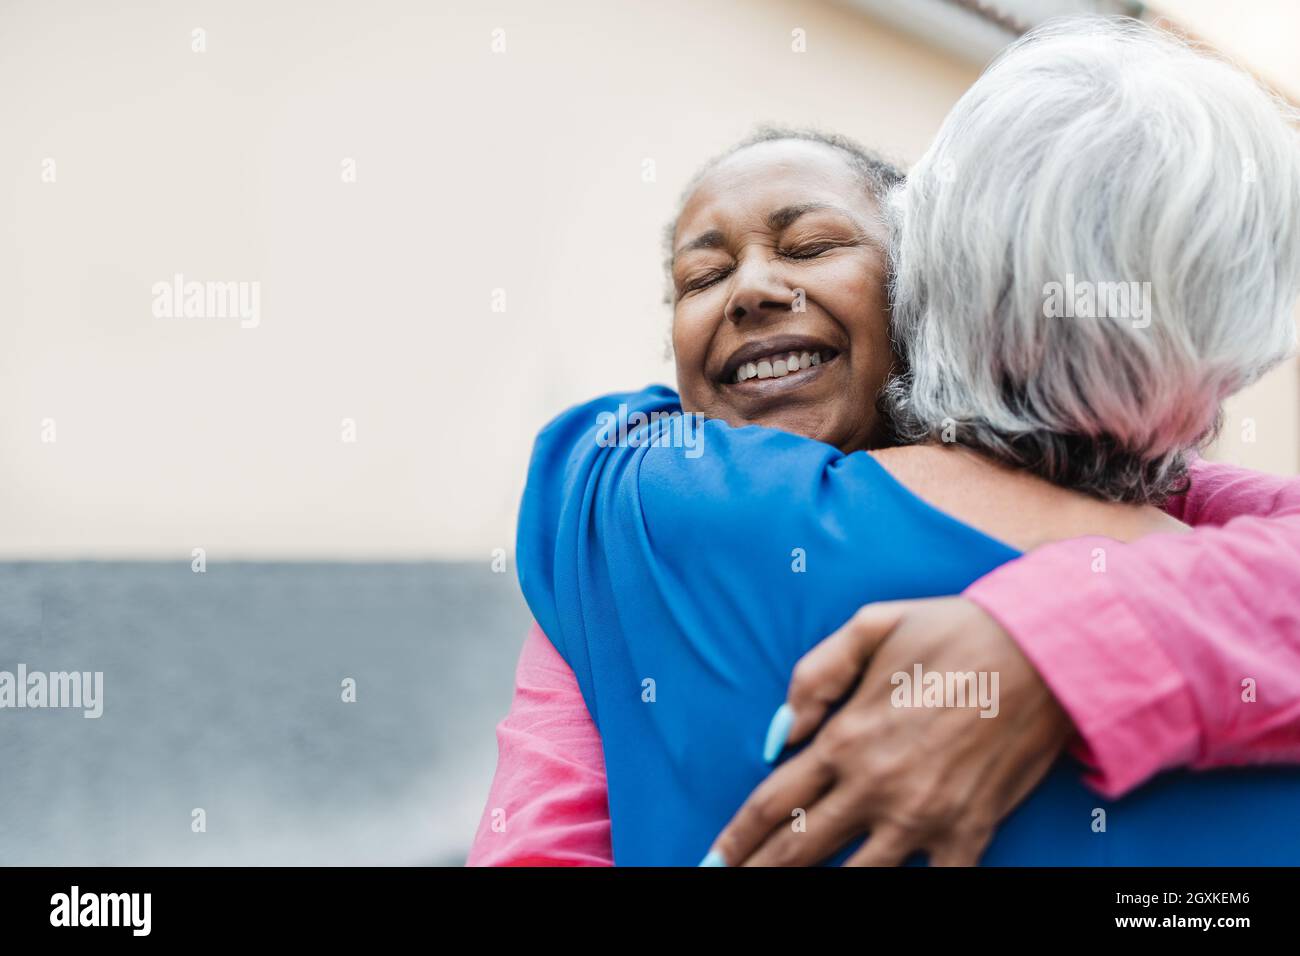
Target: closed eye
(704, 281)
(810, 251)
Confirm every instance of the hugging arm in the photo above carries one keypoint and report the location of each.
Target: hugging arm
(548, 804)
(1170, 651)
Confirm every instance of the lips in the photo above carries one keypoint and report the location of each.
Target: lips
(775, 358)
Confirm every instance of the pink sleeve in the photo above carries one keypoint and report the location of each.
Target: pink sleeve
(547, 805)
(1175, 649)
(1220, 492)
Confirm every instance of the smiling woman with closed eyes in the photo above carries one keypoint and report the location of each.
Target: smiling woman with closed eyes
(785, 229)
(681, 593)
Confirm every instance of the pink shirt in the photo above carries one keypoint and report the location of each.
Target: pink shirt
(1176, 650)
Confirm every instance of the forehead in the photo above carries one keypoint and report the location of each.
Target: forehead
(752, 182)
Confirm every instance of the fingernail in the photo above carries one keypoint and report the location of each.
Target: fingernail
(713, 858)
(778, 731)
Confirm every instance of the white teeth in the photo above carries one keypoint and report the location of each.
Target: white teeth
(778, 367)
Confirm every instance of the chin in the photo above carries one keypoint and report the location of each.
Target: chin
(810, 423)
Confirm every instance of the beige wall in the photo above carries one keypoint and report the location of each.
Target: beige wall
(1262, 425)
(476, 171)
(1259, 35)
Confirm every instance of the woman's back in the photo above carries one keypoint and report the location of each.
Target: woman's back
(682, 590)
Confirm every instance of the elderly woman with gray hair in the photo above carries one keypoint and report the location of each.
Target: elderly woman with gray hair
(1159, 187)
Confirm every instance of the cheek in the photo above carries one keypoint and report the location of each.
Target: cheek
(690, 345)
(855, 296)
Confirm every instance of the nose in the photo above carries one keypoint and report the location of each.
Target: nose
(757, 290)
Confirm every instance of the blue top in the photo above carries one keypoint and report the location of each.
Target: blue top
(681, 573)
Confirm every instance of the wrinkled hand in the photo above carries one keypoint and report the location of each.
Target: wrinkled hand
(936, 779)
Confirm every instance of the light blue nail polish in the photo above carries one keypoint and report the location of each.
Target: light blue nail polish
(713, 858)
(778, 731)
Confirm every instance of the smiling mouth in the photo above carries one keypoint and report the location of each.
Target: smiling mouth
(781, 365)
(790, 361)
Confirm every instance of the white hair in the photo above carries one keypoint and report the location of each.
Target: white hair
(1095, 152)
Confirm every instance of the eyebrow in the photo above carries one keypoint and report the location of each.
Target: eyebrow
(783, 217)
(713, 239)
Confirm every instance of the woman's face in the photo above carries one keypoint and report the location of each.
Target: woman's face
(779, 253)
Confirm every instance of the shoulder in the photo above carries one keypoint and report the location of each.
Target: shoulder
(1013, 505)
(627, 406)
